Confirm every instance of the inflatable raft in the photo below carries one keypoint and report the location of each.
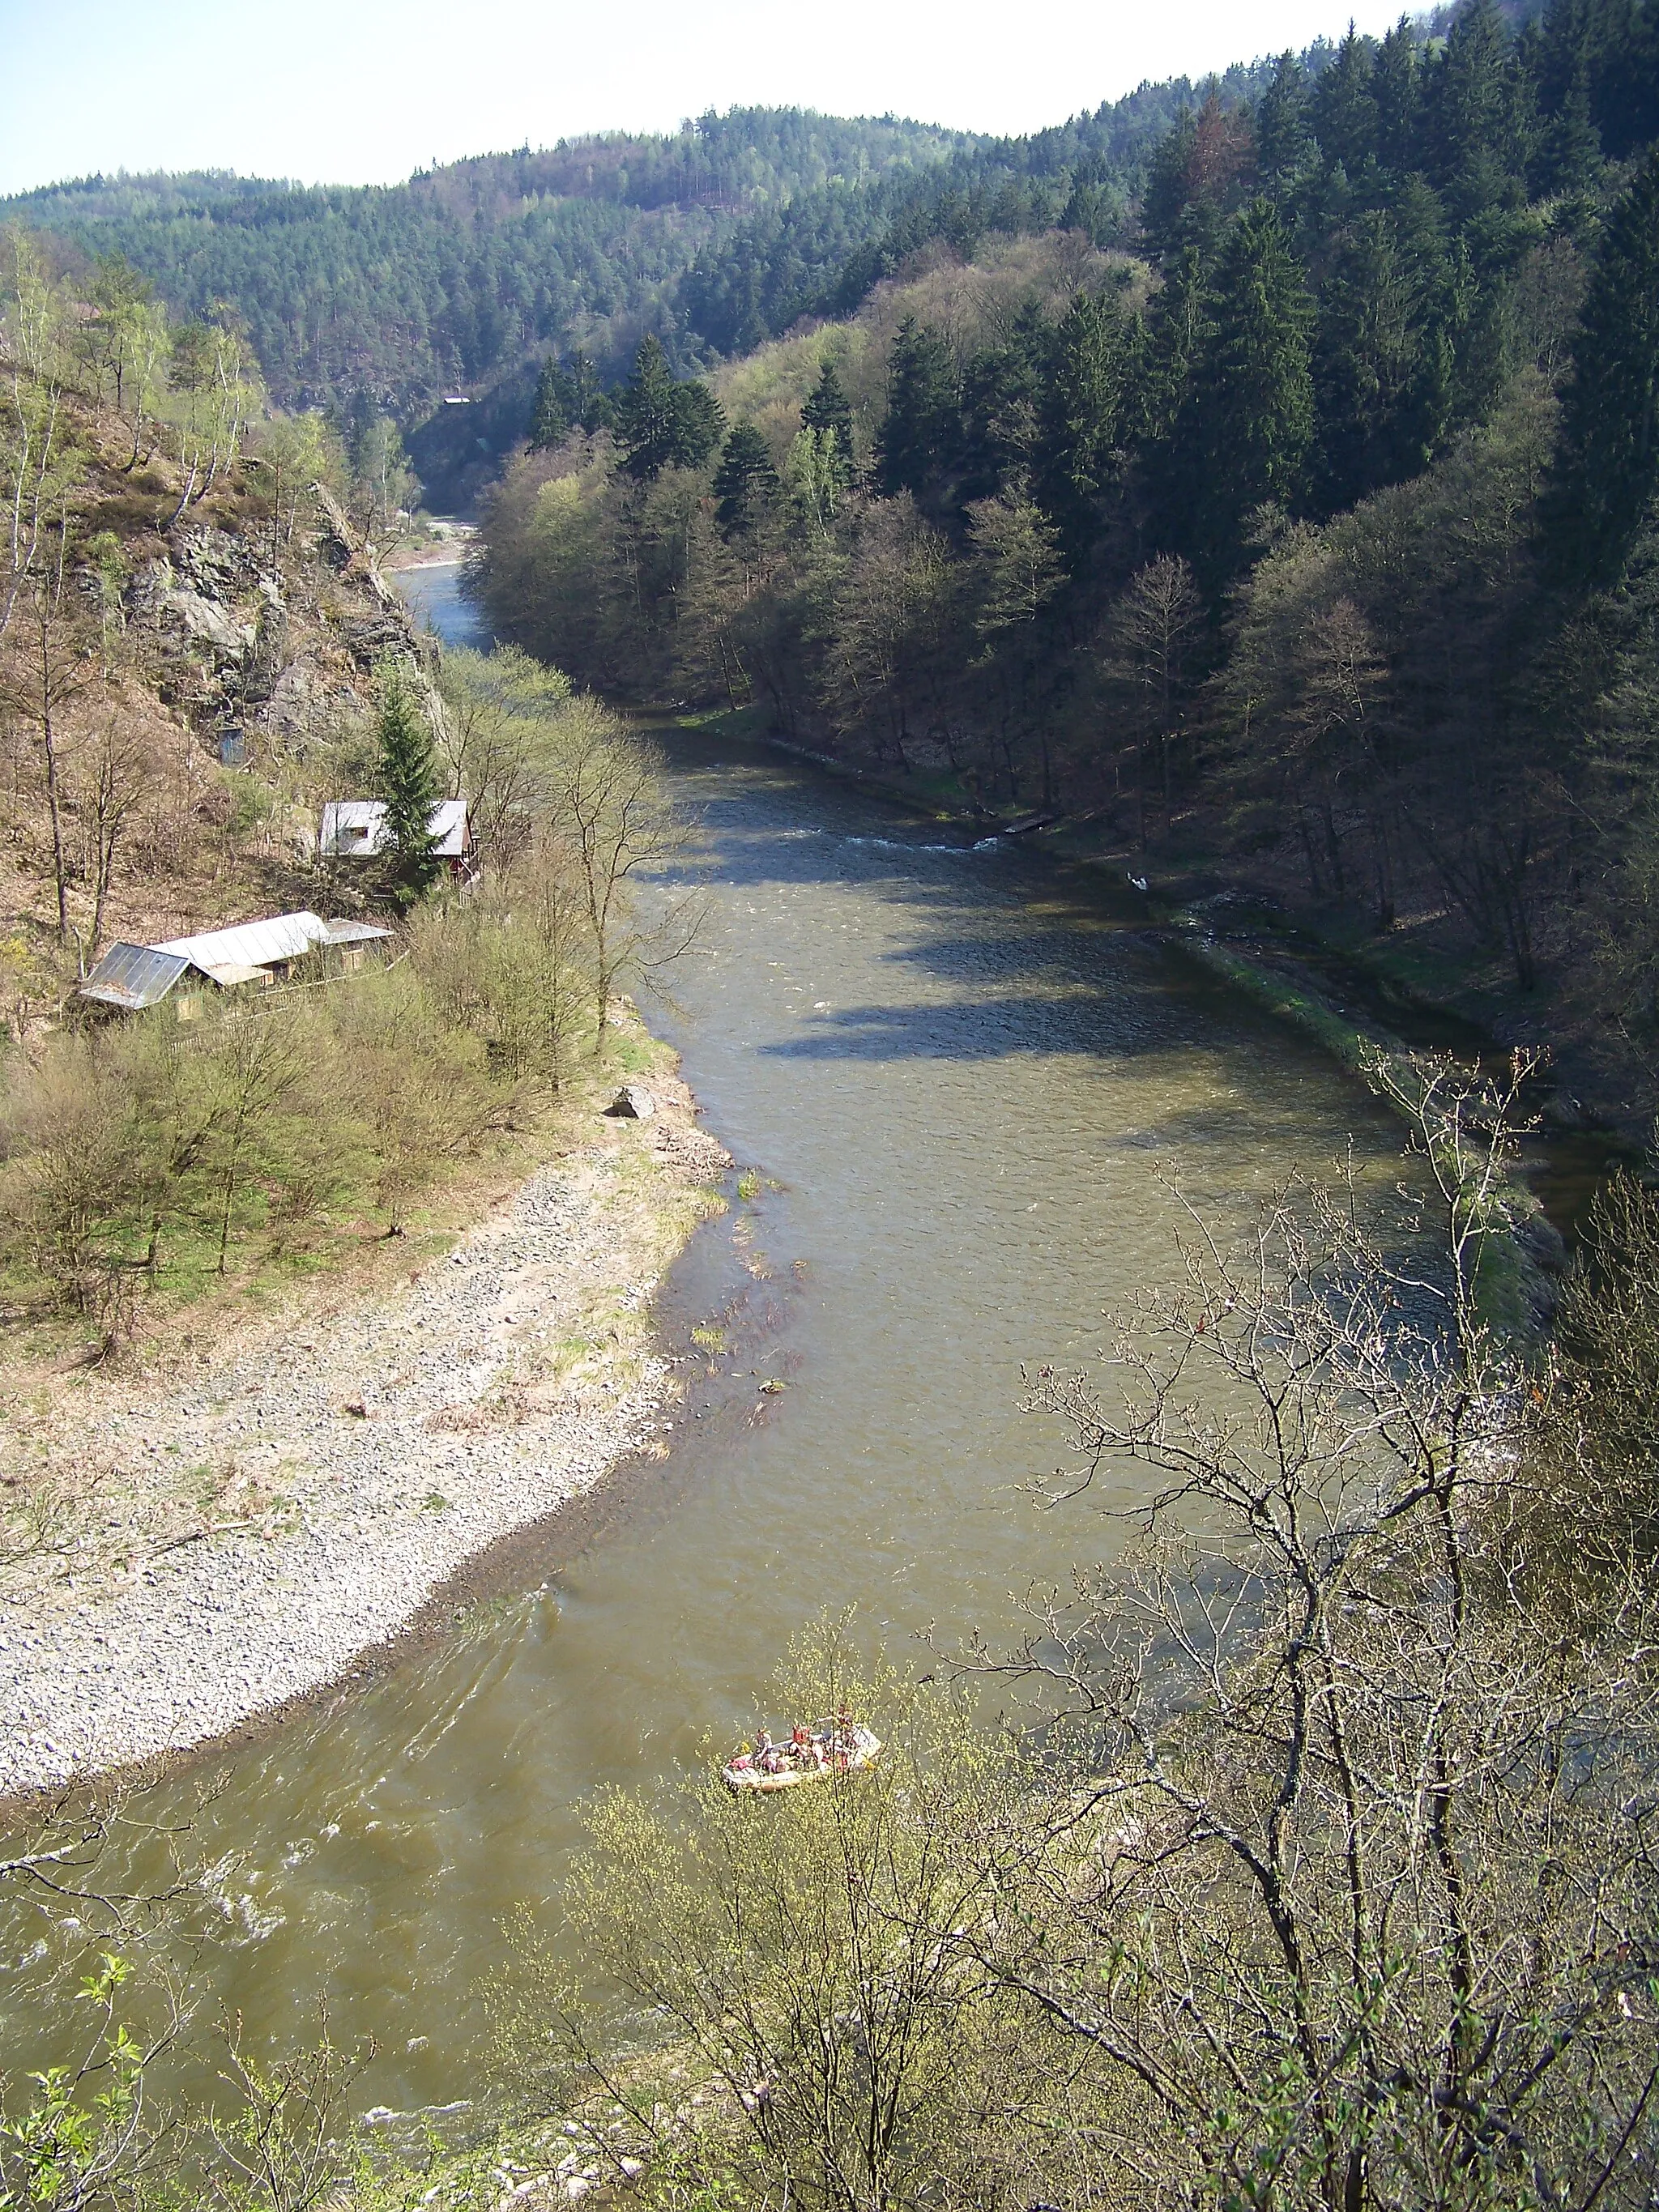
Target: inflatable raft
(832, 1747)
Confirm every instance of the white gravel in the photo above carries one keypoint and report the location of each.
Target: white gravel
(473, 1422)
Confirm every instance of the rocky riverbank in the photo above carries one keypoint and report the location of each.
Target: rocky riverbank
(213, 1543)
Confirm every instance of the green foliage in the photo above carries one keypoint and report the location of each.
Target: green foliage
(661, 424)
(410, 786)
(918, 429)
(1607, 467)
(745, 481)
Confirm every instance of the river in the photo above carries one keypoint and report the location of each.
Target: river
(953, 1071)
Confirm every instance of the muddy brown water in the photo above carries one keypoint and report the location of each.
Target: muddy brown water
(953, 1071)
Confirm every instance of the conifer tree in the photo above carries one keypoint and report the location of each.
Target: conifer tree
(1607, 466)
(921, 427)
(828, 408)
(1344, 107)
(410, 788)
(1397, 91)
(662, 424)
(1248, 425)
(647, 423)
(1283, 137)
(550, 412)
(587, 404)
(745, 481)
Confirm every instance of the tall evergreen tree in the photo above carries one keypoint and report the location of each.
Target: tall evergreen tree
(1344, 112)
(410, 788)
(1607, 465)
(551, 413)
(1369, 367)
(590, 405)
(1284, 135)
(1245, 432)
(1397, 91)
(1085, 422)
(659, 423)
(920, 431)
(1475, 115)
(826, 407)
(646, 425)
(745, 481)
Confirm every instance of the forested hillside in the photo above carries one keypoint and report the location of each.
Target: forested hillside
(402, 291)
(1310, 543)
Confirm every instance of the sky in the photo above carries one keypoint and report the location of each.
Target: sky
(366, 91)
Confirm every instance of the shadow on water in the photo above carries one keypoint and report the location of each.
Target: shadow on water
(956, 1074)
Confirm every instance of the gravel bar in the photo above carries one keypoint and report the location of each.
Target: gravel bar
(359, 1456)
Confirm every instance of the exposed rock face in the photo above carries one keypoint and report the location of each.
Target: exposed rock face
(156, 597)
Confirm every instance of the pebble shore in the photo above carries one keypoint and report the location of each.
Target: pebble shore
(358, 1458)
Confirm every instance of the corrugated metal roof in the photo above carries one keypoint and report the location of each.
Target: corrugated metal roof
(251, 944)
(354, 828)
(353, 933)
(134, 975)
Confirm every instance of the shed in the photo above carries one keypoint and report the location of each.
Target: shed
(133, 976)
(253, 953)
(354, 830)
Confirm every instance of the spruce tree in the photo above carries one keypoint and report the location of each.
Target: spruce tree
(588, 404)
(1247, 424)
(1344, 107)
(659, 423)
(410, 788)
(919, 434)
(698, 425)
(646, 418)
(550, 411)
(1606, 463)
(828, 408)
(1283, 136)
(1366, 367)
(1397, 90)
(745, 481)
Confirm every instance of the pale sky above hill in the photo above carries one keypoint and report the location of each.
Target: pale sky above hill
(364, 91)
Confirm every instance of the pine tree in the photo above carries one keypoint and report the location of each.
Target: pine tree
(1607, 464)
(410, 788)
(698, 424)
(920, 430)
(828, 408)
(1473, 114)
(588, 403)
(1083, 422)
(745, 482)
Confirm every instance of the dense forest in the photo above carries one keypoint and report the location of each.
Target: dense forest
(405, 291)
(1305, 529)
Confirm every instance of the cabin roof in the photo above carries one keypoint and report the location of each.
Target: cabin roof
(134, 976)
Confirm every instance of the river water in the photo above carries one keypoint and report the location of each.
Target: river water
(954, 1070)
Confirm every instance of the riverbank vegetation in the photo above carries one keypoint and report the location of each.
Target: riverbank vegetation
(142, 1157)
(181, 565)
(1299, 1856)
(1296, 531)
